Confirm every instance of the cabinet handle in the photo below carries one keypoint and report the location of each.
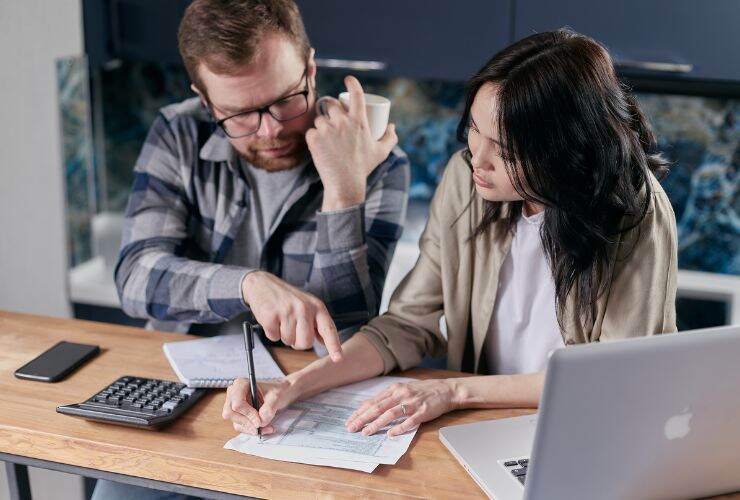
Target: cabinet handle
(662, 67)
(351, 64)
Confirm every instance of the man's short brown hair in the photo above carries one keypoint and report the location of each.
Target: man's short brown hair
(225, 34)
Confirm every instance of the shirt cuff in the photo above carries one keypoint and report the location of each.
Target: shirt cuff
(225, 291)
(340, 230)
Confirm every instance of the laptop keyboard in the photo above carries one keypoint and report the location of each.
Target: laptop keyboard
(518, 468)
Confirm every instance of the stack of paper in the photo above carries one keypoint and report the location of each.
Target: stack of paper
(313, 432)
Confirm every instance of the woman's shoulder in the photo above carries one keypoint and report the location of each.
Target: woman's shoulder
(660, 198)
(660, 211)
(656, 230)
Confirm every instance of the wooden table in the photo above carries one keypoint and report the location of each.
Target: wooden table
(188, 456)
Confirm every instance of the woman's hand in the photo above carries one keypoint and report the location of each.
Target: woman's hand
(422, 400)
(238, 408)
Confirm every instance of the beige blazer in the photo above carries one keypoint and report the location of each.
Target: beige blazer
(456, 279)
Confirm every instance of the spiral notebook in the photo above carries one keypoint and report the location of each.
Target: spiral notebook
(217, 361)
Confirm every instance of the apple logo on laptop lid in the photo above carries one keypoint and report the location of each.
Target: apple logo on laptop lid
(678, 426)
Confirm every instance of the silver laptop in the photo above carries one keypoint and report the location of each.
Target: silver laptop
(647, 418)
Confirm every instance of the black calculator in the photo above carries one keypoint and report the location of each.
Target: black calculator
(138, 402)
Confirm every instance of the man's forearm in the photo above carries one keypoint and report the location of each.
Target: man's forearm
(498, 391)
(360, 361)
(155, 283)
(340, 273)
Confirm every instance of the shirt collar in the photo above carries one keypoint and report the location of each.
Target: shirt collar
(535, 219)
(218, 148)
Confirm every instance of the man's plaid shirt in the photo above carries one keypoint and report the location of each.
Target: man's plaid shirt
(188, 203)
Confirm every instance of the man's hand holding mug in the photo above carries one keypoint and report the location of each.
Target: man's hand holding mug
(342, 144)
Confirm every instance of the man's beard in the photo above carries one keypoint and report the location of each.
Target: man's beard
(297, 155)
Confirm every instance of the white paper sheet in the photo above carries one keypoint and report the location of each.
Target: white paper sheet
(313, 432)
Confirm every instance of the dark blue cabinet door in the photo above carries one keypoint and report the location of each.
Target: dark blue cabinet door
(442, 39)
(685, 38)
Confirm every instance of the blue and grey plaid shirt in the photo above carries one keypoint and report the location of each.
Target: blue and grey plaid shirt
(188, 203)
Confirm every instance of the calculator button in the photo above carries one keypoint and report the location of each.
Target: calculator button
(187, 391)
(169, 405)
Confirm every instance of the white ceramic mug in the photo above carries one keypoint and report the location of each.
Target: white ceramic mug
(377, 108)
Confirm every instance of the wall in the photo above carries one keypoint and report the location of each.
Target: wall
(33, 256)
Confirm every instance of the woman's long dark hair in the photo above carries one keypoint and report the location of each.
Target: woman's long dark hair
(574, 140)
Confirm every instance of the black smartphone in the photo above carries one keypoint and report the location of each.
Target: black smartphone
(57, 362)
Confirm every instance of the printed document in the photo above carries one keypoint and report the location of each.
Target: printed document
(313, 432)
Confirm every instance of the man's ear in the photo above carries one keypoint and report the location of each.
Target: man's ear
(200, 94)
(311, 68)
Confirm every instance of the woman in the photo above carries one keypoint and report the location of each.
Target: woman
(549, 229)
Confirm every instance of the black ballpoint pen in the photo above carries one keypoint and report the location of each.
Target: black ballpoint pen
(249, 330)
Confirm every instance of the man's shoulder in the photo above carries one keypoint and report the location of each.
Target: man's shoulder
(185, 125)
(393, 173)
(397, 158)
(188, 110)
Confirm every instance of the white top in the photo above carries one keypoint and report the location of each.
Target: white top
(524, 327)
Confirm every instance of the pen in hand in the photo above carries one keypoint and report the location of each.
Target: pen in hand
(249, 330)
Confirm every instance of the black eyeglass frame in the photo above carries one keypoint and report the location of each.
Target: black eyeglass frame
(266, 109)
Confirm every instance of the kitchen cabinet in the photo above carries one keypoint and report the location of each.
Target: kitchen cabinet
(681, 39)
(437, 39)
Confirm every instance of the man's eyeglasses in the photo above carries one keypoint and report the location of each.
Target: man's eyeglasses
(284, 109)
